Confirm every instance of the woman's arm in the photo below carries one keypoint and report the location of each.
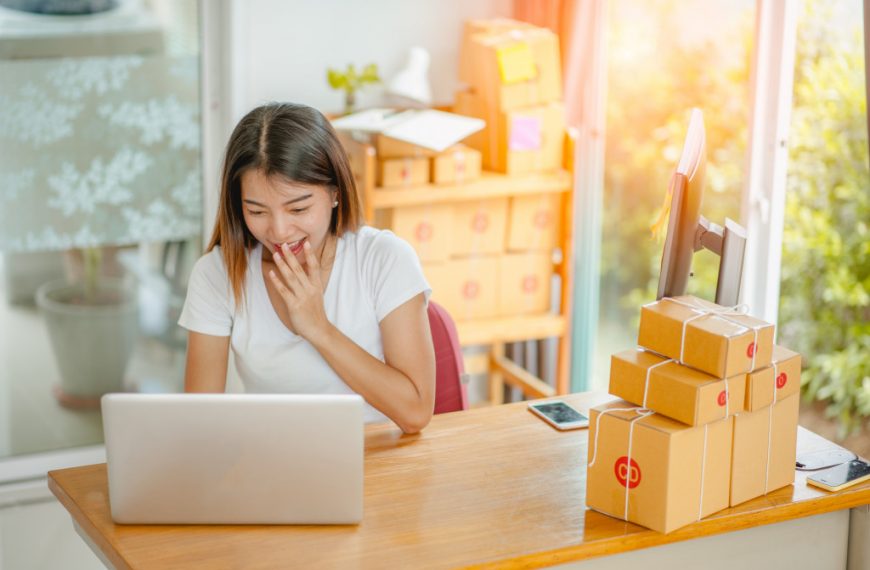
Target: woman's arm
(403, 388)
(206, 368)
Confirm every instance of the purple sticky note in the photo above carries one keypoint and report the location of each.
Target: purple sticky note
(525, 133)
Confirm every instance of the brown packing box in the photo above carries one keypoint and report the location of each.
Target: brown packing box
(721, 345)
(524, 283)
(394, 172)
(466, 288)
(784, 373)
(669, 476)
(676, 391)
(429, 229)
(534, 222)
(494, 141)
(388, 147)
(456, 165)
(489, 71)
(479, 227)
(757, 459)
(467, 72)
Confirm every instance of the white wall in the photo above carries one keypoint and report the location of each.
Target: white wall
(281, 48)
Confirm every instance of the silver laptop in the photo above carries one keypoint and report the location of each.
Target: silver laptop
(234, 458)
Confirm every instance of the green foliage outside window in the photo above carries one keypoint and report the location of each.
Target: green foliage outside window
(825, 291)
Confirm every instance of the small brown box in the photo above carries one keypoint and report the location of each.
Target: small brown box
(533, 222)
(672, 475)
(467, 288)
(765, 447)
(479, 227)
(676, 391)
(427, 228)
(721, 344)
(397, 172)
(388, 147)
(783, 376)
(456, 165)
(524, 283)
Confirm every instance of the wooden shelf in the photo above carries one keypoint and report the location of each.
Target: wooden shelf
(511, 329)
(489, 185)
(498, 331)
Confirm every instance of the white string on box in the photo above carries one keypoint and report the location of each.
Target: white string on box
(770, 428)
(723, 313)
(642, 413)
(703, 469)
(648, 373)
(727, 397)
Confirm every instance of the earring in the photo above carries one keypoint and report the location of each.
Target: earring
(335, 204)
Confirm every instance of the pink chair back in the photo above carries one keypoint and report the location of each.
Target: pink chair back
(450, 391)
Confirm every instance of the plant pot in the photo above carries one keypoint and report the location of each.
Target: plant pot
(92, 340)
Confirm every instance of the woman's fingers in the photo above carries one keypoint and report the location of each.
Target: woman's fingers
(294, 266)
(283, 290)
(289, 276)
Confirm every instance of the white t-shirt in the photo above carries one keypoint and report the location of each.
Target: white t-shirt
(373, 273)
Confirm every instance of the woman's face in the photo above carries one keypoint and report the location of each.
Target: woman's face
(277, 211)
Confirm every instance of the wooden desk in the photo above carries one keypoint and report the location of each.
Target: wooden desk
(490, 487)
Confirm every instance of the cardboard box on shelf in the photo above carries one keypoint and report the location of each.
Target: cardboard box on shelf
(783, 376)
(479, 227)
(397, 172)
(388, 147)
(466, 288)
(524, 283)
(492, 26)
(429, 229)
(456, 165)
(534, 222)
(513, 68)
(676, 391)
(764, 450)
(672, 475)
(713, 340)
(521, 141)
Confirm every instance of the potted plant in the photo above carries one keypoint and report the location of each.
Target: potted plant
(350, 81)
(92, 324)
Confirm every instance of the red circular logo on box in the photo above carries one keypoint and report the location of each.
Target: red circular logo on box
(781, 379)
(627, 474)
(530, 284)
(750, 350)
(423, 232)
(480, 222)
(542, 219)
(470, 290)
(723, 398)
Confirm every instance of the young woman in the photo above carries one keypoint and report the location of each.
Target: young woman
(309, 299)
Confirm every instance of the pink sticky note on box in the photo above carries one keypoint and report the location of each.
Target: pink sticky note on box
(525, 133)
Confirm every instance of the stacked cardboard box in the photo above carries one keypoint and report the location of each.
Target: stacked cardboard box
(501, 258)
(514, 76)
(513, 71)
(708, 417)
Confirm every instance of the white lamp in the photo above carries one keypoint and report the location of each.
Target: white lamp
(412, 82)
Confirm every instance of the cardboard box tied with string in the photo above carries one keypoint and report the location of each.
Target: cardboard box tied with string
(654, 471)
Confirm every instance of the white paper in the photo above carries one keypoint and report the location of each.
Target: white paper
(370, 120)
(435, 130)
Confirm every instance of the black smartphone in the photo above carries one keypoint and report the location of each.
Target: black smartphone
(559, 414)
(841, 476)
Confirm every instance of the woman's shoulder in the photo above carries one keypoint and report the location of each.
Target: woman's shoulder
(368, 240)
(372, 243)
(211, 261)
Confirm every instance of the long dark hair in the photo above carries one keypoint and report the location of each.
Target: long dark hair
(289, 140)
